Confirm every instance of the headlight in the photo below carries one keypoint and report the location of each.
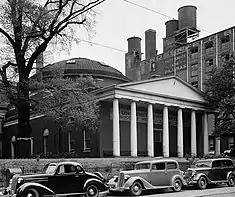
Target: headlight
(19, 180)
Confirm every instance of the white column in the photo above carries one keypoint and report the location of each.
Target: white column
(150, 131)
(217, 145)
(193, 134)
(31, 145)
(165, 132)
(13, 140)
(133, 130)
(205, 134)
(116, 131)
(180, 141)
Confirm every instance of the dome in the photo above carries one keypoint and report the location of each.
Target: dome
(83, 66)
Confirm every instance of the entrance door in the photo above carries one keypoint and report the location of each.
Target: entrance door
(157, 135)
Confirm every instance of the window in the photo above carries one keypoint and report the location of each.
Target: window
(225, 57)
(227, 163)
(87, 141)
(208, 65)
(208, 44)
(194, 70)
(153, 67)
(194, 84)
(158, 166)
(194, 49)
(171, 165)
(225, 39)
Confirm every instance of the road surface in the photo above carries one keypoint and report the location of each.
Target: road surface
(216, 191)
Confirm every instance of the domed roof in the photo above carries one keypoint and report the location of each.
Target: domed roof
(84, 66)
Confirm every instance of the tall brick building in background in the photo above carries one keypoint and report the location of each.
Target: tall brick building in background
(184, 55)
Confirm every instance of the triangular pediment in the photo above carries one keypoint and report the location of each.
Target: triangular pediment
(167, 86)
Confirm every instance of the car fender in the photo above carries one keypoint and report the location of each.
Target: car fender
(197, 177)
(99, 183)
(145, 183)
(39, 187)
(230, 172)
(178, 177)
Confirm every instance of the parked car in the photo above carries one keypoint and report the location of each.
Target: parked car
(230, 152)
(63, 179)
(211, 171)
(155, 174)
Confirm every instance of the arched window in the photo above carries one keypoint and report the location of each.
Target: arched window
(45, 136)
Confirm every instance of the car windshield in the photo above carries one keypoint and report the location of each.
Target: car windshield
(141, 166)
(50, 169)
(203, 164)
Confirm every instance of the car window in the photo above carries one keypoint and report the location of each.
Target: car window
(227, 163)
(69, 169)
(203, 163)
(79, 169)
(217, 164)
(158, 166)
(141, 166)
(61, 169)
(171, 165)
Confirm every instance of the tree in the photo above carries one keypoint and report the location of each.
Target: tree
(221, 94)
(64, 100)
(28, 28)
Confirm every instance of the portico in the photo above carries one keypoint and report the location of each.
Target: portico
(157, 99)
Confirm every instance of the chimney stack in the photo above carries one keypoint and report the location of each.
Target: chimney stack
(150, 43)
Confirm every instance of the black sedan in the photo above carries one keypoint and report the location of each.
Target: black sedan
(63, 179)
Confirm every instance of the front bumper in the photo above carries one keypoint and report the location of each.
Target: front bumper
(114, 187)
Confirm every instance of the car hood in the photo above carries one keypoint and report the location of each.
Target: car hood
(30, 176)
(135, 172)
(199, 169)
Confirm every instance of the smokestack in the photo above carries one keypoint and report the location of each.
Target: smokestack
(134, 44)
(150, 43)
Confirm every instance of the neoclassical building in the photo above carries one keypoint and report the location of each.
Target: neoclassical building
(163, 116)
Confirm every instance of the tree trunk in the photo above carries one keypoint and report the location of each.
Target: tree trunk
(24, 128)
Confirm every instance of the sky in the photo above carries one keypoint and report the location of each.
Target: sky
(118, 20)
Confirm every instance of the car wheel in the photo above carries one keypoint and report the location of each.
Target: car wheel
(231, 180)
(92, 190)
(31, 192)
(177, 185)
(202, 183)
(136, 189)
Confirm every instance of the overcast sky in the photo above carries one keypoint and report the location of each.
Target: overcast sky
(118, 20)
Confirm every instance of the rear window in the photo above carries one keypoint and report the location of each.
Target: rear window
(171, 165)
(142, 166)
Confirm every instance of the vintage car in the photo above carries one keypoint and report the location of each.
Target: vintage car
(63, 179)
(154, 174)
(210, 171)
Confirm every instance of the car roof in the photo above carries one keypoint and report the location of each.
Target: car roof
(158, 160)
(65, 162)
(215, 159)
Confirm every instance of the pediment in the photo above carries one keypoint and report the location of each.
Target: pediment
(167, 86)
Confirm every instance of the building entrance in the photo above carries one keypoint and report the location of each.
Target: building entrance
(157, 134)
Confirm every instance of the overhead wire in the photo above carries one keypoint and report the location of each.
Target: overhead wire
(159, 13)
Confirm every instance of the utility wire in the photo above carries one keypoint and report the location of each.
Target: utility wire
(105, 46)
(159, 13)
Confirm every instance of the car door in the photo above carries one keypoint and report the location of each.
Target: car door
(157, 175)
(62, 182)
(172, 169)
(227, 167)
(216, 171)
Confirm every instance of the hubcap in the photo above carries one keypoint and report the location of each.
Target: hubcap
(177, 185)
(29, 195)
(231, 181)
(91, 191)
(136, 188)
(203, 182)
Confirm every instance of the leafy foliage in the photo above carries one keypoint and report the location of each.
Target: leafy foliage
(221, 94)
(65, 99)
(27, 29)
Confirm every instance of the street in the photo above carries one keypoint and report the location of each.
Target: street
(216, 191)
